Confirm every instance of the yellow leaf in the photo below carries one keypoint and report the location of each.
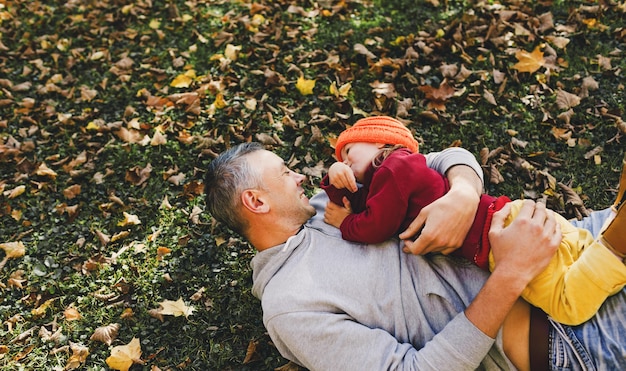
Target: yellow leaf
(41, 310)
(333, 89)
(345, 89)
(181, 81)
(219, 101)
(92, 126)
(175, 308)
(529, 62)
(304, 86)
(155, 24)
(129, 219)
(123, 356)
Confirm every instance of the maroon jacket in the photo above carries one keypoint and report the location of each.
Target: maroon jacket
(394, 193)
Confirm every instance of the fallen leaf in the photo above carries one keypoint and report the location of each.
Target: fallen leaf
(565, 100)
(529, 62)
(14, 249)
(124, 356)
(304, 86)
(175, 308)
(44, 170)
(12, 193)
(181, 81)
(129, 219)
(106, 334)
(251, 353)
(71, 314)
(78, 357)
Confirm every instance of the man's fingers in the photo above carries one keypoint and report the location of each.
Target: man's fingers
(497, 223)
(414, 228)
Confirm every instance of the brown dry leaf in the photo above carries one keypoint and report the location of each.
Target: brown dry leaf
(162, 251)
(71, 314)
(158, 139)
(127, 313)
(124, 356)
(437, 97)
(15, 249)
(251, 353)
(106, 334)
(129, 135)
(78, 357)
(604, 63)
(104, 239)
(589, 83)
(156, 313)
(565, 100)
(15, 192)
(21, 355)
(16, 279)
(71, 191)
(137, 175)
(489, 97)
(529, 62)
(44, 170)
(361, 49)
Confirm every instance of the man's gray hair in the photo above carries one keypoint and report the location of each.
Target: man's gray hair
(226, 178)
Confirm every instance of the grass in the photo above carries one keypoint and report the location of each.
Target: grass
(74, 74)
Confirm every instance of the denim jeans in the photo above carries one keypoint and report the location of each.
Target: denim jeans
(600, 343)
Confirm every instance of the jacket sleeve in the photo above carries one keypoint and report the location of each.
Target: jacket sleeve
(333, 341)
(335, 195)
(383, 214)
(444, 160)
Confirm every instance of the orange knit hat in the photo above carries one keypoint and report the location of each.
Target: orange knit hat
(377, 129)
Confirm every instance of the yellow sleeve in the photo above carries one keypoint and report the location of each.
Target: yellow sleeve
(582, 274)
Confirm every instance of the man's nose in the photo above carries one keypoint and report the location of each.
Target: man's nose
(300, 178)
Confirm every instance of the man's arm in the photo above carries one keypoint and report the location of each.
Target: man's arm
(443, 225)
(521, 251)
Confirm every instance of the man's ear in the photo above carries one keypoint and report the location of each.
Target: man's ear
(254, 201)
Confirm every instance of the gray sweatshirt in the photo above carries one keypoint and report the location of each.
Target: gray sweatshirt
(329, 304)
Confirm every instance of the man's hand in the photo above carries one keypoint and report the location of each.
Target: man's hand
(443, 225)
(524, 248)
(341, 176)
(335, 214)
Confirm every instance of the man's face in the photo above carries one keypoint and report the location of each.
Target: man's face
(283, 187)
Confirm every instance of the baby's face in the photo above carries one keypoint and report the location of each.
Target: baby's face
(359, 156)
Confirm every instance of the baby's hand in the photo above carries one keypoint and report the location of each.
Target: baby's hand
(341, 176)
(335, 214)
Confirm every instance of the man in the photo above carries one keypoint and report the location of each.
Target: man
(330, 304)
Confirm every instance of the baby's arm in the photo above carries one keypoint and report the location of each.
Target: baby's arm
(341, 177)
